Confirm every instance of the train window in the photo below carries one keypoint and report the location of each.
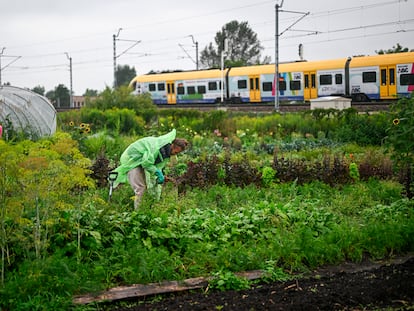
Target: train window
(161, 87)
(212, 86)
(201, 89)
(295, 85)
(369, 76)
(392, 76)
(170, 88)
(306, 81)
(338, 78)
(191, 90)
(407, 79)
(267, 86)
(282, 85)
(242, 84)
(180, 90)
(325, 79)
(151, 87)
(383, 76)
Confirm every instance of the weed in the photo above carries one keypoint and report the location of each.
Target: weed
(226, 280)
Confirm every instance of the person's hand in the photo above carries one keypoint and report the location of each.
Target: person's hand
(169, 179)
(160, 177)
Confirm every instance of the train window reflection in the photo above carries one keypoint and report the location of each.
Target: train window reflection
(295, 85)
(338, 78)
(369, 76)
(201, 89)
(407, 79)
(267, 86)
(212, 86)
(325, 80)
(191, 90)
(161, 87)
(242, 84)
(180, 90)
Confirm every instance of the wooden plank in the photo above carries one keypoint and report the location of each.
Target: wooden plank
(141, 290)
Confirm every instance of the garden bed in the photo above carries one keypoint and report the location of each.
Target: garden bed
(365, 286)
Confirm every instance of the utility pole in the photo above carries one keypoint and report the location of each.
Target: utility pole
(116, 56)
(15, 58)
(276, 82)
(1, 54)
(196, 45)
(224, 52)
(71, 88)
(114, 39)
(277, 35)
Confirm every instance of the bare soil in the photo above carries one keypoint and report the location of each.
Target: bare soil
(386, 285)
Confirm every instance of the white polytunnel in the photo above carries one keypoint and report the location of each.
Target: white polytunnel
(26, 111)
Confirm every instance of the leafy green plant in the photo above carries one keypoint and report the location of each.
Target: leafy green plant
(268, 176)
(273, 273)
(226, 280)
(353, 171)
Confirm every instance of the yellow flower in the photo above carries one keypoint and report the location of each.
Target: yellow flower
(396, 121)
(82, 125)
(71, 123)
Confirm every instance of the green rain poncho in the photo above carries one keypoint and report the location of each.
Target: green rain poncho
(143, 153)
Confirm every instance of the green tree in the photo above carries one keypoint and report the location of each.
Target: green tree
(39, 90)
(244, 47)
(90, 93)
(395, 49)
(121, 97)
(60, 96)
(124, 75)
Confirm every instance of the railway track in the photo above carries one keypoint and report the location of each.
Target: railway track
(265, 108)
(270, 107)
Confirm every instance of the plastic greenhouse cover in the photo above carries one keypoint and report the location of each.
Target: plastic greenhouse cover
(27, 111)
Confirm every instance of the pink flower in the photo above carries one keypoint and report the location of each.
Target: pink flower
(1, 131)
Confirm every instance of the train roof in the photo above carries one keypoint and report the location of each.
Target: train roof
(289, 67)
(383, 59)
(179, 75)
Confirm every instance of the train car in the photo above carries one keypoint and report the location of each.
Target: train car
(297, 81)
(362, 78)
(382, 77)
(202, 86)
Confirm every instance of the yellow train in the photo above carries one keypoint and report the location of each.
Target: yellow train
(362, 78)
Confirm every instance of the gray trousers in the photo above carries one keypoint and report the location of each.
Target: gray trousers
(136, 178)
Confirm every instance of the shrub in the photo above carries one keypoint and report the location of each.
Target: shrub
(400, 140)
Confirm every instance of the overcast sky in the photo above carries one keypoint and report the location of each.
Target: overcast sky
(36, 35)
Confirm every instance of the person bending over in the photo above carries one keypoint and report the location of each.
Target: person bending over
(142, 162)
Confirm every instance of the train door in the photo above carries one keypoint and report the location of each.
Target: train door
(310, 90)
(171, 98)
(254, 88)
(388, 87)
